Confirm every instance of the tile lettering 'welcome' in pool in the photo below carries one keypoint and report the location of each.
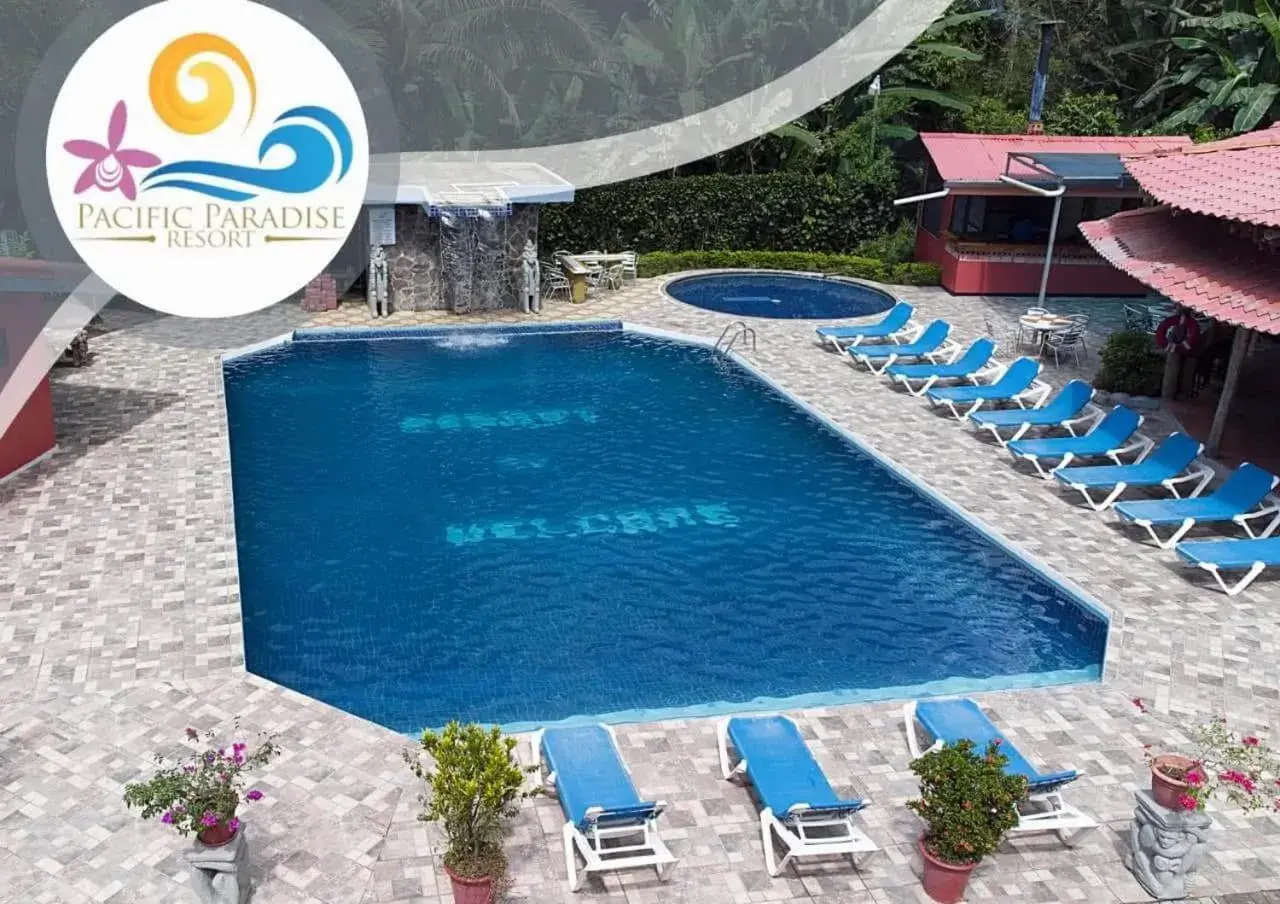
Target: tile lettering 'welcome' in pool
(518, 420)
(632, 521)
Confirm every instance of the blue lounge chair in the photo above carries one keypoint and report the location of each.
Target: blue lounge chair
(1069, 410)
(1115, 436)
(972, 365)
(1239, 499)
(949, 720)
(1018, 383)
(605, 819)
(1168, 465)
(932, 344)
(1217, 556)
(799, 805)
(896, 326)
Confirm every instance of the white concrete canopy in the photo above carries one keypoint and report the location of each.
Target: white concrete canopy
(415, 178)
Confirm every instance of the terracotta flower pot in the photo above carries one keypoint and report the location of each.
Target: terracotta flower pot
(1166, 782)
(470, 891)
(217, 836)
(942, 881)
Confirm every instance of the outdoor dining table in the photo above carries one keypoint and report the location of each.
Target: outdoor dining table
(1041, 325)
(602, 259)
(577, 272)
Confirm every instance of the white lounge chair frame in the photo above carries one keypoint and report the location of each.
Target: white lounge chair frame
(987, 372)
(909, 333)
(646, 847)
(1271, 509)
(1043, 811)
(818, 835)
(1083, 422)
(1035, 394)
(1238, 587)
(1138, 446)
(1200, 474)
(947, 351)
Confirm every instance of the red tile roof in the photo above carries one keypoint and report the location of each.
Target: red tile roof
(962, 157)
(1236, 179)
(1189, 260)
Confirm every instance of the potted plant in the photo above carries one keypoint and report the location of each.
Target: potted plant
(474, 783)
(968, 803)
(1219, 763)
(201, 792)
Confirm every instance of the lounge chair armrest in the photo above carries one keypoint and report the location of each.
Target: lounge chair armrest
(947, 351)
(1036, 393)
(1271, 511)
(1196, 473)
(989, 372)
(1092, 413)
(1053, 780)
(804, 811)
(911, 332)
(1141, 445)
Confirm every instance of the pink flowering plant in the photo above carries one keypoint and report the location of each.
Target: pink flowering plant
(202, 789)
(1224, 764)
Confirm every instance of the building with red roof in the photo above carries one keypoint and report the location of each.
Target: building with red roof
(1211, 245)
(992, 203)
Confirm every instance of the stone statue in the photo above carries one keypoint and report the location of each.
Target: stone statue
(221, 873)
(379, 306)
(531, 294)
(1165, 847)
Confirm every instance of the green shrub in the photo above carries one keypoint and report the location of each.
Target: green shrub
(475, 785)
(769, 212)
(896, 247)
(1084, 114)
(968, 801)
(658, 263)
(1130, 364)
(916, 273)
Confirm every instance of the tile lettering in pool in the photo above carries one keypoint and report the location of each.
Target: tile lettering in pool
(685, 537)
(518, 420)
(632, 521)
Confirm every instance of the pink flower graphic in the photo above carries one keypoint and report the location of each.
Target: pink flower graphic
(109, 166)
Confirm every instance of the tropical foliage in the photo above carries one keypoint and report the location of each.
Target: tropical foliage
(775, 212)
(475, 74)
(909, 273)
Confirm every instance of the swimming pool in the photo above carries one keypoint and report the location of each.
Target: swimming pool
(790, 296)
(524, 527)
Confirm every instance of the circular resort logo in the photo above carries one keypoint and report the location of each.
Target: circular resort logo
(207, 159)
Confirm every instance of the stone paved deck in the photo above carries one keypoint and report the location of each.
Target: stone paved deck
(119, 626)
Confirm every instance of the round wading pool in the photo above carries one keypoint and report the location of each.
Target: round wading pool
(788, 296)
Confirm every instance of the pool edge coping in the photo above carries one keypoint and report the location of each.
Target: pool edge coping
(810, 701)
(668, 278)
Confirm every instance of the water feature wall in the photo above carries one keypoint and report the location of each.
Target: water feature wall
(446, 263)
(473, 243)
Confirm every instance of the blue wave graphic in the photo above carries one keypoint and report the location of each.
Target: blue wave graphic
(313, 162)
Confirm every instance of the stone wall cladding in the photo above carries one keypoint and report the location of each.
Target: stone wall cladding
(414, 270)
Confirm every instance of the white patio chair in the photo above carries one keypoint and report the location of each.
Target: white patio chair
(555, 283)
(630, 270)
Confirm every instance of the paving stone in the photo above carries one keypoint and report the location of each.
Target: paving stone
(120, 626)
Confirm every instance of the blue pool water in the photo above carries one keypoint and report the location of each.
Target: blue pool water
(525, 528)
(780, 295)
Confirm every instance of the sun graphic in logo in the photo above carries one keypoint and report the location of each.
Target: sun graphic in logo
(202, 116)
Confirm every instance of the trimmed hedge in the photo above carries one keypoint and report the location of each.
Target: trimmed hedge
(658, 263)
(769, 212)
